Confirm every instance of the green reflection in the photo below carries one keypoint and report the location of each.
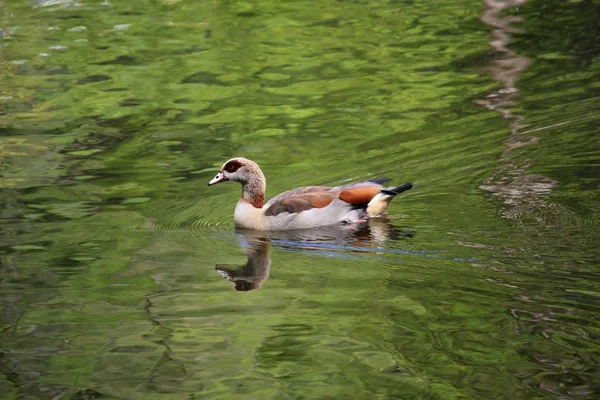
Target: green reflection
(482, 284)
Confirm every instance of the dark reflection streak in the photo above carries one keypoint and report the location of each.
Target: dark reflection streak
(165, 332)
(11, 315)
(147, 309)
(522, 192)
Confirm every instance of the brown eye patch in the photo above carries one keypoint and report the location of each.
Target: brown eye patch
(232, 166)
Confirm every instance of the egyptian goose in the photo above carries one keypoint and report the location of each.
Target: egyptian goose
(304, 207)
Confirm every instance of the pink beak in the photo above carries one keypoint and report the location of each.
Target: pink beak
(218, 179)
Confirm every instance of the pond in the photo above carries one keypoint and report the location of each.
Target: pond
(122, 275)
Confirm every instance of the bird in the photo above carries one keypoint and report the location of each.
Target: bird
(303, 207)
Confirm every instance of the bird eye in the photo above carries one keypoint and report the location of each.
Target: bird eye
(232, 166)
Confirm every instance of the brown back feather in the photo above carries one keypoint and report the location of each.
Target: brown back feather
(297, 203)
(306, 198)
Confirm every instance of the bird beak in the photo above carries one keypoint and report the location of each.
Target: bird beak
(218, 179)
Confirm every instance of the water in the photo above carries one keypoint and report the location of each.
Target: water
(122, 275)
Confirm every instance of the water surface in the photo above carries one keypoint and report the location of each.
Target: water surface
(122, 276)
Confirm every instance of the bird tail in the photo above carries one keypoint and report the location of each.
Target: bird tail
(397, 190)
(379, 204)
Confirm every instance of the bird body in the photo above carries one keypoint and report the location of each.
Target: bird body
(304, 207)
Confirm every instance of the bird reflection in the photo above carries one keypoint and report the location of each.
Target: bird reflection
(359, 237)
(251, 275)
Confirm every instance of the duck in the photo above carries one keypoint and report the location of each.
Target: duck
(303, 207)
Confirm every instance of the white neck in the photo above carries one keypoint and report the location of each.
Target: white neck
(248, 216)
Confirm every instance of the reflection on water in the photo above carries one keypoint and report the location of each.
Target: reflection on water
(370, 234)
(113, 114)
(523, 193)
(251, 275)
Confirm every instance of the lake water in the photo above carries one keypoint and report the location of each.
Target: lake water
(121, 273)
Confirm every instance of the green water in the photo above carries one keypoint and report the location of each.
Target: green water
(118, 264)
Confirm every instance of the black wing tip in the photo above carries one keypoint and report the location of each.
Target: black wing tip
(397, 190)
